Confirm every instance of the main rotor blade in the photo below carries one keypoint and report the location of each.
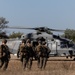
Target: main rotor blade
(18, 28)
(56, 30)
(42, 29)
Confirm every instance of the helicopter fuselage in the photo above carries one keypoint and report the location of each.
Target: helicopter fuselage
(60, 48)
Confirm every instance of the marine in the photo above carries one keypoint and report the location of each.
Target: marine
(23, 53)
(42, 53)
(38, 52)
(4, 55)
(30, 50)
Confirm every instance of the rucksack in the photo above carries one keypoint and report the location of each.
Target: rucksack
(43, 51)
(3, 51)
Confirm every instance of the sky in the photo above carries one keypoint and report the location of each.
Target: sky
(56, 14)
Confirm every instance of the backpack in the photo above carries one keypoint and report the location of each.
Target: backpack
(23, 50)
(44, 51)
(4, 51)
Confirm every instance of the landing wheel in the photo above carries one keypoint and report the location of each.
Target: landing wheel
(67, 57)
(71, 56)
(74, 59)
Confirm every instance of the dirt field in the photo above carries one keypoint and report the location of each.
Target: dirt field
(55, 66)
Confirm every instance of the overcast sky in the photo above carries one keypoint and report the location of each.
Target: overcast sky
(57, 14)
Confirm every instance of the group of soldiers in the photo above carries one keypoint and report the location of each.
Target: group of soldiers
(26, 52)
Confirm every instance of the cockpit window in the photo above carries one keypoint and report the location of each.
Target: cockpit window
(63, 45)
(67, 44)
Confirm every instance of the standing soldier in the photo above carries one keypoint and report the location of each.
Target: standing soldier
(19, 50)
(4, 54)
(23, 54)
(29, 48)
(38, 52)
(44, 55)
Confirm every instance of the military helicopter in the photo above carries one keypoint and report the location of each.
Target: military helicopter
(59, 46)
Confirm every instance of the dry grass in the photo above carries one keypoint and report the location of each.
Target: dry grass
(52, 68)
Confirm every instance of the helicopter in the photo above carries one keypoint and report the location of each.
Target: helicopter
(59, 46)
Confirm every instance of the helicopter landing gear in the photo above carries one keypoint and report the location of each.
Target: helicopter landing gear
(70, 56)
(67, 57)
(71, 53)
(74, 59)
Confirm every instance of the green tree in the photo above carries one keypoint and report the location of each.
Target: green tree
(70, 34)
(15, 35)
(3, 25)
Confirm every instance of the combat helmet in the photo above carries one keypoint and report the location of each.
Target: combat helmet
(4, 41)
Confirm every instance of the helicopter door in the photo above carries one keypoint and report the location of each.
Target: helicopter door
(53, 46)
(63, 45)
(13, 46)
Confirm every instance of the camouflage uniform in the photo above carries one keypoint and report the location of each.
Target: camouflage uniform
(38, 53)
(29, 48)
(20, 48)
(42, 53)
(22, 51)
(4, 55)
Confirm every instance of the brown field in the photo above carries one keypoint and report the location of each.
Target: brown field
(55, 66)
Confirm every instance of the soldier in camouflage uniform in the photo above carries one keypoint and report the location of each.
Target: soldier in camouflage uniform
(38, 52)
(23, 54)
(4, 55)
(44, 55)
(19, 50)
(29, 48)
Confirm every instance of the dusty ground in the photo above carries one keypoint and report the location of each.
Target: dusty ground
(55, 66)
